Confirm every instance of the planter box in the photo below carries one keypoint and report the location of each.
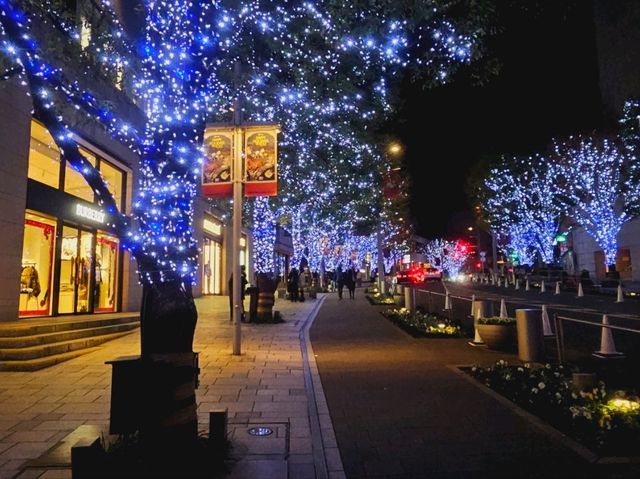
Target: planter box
(501, 337)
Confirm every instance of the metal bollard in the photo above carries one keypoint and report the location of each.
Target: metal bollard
(410, 299)
(530, 338)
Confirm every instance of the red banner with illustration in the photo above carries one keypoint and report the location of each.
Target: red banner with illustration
(261, 162)
(217, 168)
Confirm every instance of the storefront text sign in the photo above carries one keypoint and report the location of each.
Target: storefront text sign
(92, 214)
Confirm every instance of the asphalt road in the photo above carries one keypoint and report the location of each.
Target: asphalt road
(401, 409)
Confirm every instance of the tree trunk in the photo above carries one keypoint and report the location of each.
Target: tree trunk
(169, 366)
(267, 285)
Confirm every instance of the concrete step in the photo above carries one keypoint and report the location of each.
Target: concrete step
(12, 342)
(43, 362)
(52, 349)
(31, 327)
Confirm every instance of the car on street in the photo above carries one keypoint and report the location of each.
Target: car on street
(418, 274)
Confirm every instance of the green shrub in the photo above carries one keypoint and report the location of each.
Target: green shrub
(497, 320)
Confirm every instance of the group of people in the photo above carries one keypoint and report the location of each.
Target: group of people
(346, 278)
(297, 281)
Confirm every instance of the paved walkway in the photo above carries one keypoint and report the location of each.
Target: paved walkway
(401, 409)
(274, 383)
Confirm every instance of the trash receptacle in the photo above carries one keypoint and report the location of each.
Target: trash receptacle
(253, 291)
(530, 337)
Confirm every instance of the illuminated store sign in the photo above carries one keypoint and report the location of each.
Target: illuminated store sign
(90, 213)
(212, 227)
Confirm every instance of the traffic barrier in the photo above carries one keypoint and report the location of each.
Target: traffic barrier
(517, 284)
(607, 347)
(620, 298)
(447, 302)
(479, 309)
(557, 287)
(546, 324)
(503, 309)
(580, 291)
(526, 285)
(542, 288)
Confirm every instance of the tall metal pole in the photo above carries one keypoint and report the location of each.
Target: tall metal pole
(381, 282)
(237, 220)
(494, 252)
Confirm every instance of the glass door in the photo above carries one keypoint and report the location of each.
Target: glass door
(105, 293)
(76, 260)
(212, 267)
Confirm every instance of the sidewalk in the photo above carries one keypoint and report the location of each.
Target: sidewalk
(274, 383)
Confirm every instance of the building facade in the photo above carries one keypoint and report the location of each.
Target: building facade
(58, 256)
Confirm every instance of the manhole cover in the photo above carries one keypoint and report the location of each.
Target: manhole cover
(260, 431)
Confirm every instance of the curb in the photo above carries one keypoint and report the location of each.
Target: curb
(326, 455)
(553, 433)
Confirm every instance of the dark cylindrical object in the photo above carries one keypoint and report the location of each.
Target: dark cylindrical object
(530, 337)
(409, 299)
(253, 291)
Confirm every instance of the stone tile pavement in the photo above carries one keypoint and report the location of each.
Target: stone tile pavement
(273, 383)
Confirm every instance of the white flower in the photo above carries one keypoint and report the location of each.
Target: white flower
(542, 385)
(534, 390)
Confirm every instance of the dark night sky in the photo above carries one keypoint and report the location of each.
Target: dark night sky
(547, 87)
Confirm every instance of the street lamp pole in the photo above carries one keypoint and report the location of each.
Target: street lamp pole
(237, 221)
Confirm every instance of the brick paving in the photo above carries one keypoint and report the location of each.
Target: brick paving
(269, 384)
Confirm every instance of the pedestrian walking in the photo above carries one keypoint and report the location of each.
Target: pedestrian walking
(292, 284)
(340, 276)
(350, 281)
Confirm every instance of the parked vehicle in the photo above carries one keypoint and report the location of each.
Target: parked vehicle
(416, 274)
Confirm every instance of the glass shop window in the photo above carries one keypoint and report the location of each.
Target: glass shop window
(114, 179)
(44, 157)
(106, 279)
(74, 182)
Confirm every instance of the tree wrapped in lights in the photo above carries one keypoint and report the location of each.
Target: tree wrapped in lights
(595, 174)
(520, 243)
(324, 70)
(524, 193)
(450, 256)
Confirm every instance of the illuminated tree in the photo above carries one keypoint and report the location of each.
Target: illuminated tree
(450, 256)
(598, 185)
(325, 71)
(523, 193)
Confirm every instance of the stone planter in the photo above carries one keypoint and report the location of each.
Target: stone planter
(501, 337)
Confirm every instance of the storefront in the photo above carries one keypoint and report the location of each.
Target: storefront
(212, 256)
(71, 261)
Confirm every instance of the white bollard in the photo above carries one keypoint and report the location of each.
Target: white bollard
(473, 300)
(546, 324)
(506, 282)
(620, 294)
(542, 288)
(481, 309)
(526, 285)
(557, 287)
(607, 347)
(447, 302)
(503, 309)
(580, 292)
(517, 284)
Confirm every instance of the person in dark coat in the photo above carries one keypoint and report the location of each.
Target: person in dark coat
(292, 284)
(243, 285)
(340, 276)
(350, 282)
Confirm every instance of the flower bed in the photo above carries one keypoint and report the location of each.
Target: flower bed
(420, 324)
(380, 299)
(607, 423)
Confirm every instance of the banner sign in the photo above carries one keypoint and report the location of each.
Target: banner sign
(261, 161)
(217, 168)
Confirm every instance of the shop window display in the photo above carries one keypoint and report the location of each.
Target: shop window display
(106, 278)
(75, 271)
(212, 266)
(37, 266)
